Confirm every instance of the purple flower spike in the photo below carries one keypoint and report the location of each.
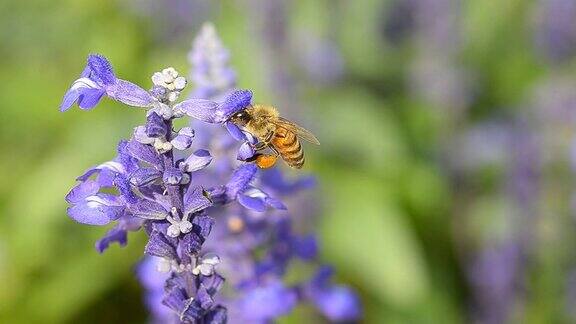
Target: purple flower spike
(98, 79)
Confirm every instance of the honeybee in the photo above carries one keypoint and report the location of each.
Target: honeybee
(274, 132)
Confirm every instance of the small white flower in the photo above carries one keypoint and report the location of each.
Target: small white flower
(207, 265)
(161, 145)
(172, 96)
(185, 226)
(173, 230)
(170, 73)
(180, 83)
(158, 79)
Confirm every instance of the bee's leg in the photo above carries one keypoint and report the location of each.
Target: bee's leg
(264, 143)
(274, 150)
(260, 146)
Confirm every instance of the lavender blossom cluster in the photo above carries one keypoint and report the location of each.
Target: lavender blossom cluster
(207, 217)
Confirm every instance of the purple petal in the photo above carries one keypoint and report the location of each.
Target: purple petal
(251, 138)
(275, 203)
(144, 153)
(233, 103)
(129, 93)
(114, 235)
(252, 203)
(203, 298)
(195, 199)
(172, 176)
(101, 69)
(123, 184)
(245, 152)
(240, 179)
(204, 224)
(84, 214)
(216, 316)
(89, 98)
(184, 139)
(197, 161)
(176, 300)
(159, 246)
(235, 132)
(141, 136)
(105, 177)
(81, 191)
(106, 170)
(204, 110)
(155, 126)
(144, 176)
(69, 98)
(191, 243)
(213, 282)
(149, 209)
(128, 163)
(192, 312)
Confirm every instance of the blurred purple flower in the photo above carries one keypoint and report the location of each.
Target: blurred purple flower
(398, 22)
(257, 222)
(555, 35)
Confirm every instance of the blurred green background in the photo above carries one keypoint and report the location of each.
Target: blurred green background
(446, 130)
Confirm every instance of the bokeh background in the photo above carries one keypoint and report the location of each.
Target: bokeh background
(445, 170)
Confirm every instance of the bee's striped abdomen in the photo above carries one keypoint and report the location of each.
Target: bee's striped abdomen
(289, 147)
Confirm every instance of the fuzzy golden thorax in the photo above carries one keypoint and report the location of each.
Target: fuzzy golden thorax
(259, 123)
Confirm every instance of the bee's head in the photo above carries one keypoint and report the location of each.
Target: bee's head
(240, 118)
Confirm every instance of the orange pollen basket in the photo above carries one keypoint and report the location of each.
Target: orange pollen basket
(265, 161)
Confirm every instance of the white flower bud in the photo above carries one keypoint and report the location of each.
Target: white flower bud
(173, 230)
(158, 79)
(172, 96)
(170, 72)
(185, 226)
(180, 83)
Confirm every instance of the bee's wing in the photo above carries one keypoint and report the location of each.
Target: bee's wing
(300, 131)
